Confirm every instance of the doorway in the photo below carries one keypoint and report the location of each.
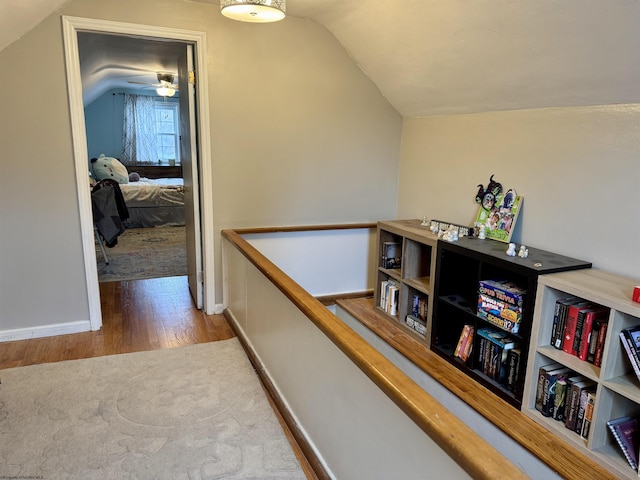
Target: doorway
(203, 232)
(128, 120)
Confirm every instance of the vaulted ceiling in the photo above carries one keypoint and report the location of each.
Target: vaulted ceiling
(432, 57)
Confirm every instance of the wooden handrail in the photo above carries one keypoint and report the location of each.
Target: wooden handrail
(477, 457)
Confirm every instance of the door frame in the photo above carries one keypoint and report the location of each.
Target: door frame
(71, 27)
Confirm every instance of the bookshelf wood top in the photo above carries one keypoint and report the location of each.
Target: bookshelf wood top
(410, 229)
(598, 286)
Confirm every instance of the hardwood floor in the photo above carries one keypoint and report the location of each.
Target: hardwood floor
(137, 315)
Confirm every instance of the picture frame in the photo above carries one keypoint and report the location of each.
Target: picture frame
(500, 220)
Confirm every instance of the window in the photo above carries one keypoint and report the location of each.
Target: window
(167, 132)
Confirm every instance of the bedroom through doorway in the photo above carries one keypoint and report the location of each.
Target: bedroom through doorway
(133, 137)
(191, 157)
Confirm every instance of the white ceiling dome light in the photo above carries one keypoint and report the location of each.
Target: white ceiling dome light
(254, 11)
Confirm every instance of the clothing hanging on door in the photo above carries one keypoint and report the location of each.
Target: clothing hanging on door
(109, 210)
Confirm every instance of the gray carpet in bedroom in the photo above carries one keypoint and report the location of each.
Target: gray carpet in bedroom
(187, 413)
(145, 253)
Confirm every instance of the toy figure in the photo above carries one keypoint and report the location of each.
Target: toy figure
(511, 251)
(487, 196)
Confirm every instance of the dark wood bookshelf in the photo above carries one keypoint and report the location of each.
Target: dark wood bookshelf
(460, 266)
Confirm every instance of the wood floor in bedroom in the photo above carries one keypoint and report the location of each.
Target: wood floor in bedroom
(137, 315)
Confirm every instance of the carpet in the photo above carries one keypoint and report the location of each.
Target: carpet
(145, 253)
(195, 412)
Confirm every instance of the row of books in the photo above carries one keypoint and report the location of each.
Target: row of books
(580, 328)
(498, 356)
(567, 397)
(627, 434)
(389, 296)
(630, 338)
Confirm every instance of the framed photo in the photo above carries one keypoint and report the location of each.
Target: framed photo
(501, 219)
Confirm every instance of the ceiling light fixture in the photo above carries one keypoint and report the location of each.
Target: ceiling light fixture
(165, 91)
(254, 11)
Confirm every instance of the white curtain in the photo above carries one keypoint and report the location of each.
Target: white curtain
(139, 130)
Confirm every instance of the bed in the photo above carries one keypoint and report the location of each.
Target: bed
(157, 202)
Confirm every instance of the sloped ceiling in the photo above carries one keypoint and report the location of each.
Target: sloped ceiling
(432, 57)
(113, 61)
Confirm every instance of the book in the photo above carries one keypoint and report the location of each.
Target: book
(560, 399)
(625, 431)
(557, 322)
(464, 337)
(630, 338)
(391, 255)
(588, 415)
(549, 389)
(500, 218)
(542, 375)
(577, 337)
(416, 324)
(513, 366)
(562, 309)
(572, 405)
(631, 354)
(593, 341)
(570, 328)
(394, 294)
(590, 317)
(465, 343)
(419, 307)
(582, 406)
(602, 335)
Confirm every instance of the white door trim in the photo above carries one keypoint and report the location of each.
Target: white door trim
(73, 25)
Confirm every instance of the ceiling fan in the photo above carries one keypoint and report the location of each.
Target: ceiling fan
(165, 86)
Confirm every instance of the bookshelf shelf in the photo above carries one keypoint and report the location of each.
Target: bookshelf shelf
(417, 246)
(617, 389)
(460, 267)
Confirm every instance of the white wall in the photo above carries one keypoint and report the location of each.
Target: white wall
(357, 431)
(299, 136)
(577, 168)
(323, 262)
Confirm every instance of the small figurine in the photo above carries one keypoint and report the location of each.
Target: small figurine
(523, 252)
(511, 251)
(424, 222)
(451, 235)
(482, 233)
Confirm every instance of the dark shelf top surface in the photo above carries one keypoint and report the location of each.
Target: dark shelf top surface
(538, 260)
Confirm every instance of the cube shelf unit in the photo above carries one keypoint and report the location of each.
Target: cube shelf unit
(414, 277)
(460, 266)
(617, 387)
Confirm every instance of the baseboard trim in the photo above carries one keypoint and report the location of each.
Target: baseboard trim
(44, 331)
(313, 461)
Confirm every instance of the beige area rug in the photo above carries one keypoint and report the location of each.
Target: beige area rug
(144, 253)
(195, 412)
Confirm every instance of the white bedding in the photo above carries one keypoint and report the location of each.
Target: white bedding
(157, 192)
(154, 202)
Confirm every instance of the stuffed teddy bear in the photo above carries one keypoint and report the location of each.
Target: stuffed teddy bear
(108, 167)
